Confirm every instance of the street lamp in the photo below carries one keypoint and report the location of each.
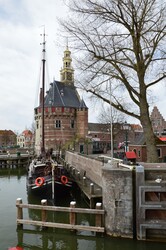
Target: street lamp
(126, 127)
(111, 125)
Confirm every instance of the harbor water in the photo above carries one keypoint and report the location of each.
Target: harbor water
(13, 186)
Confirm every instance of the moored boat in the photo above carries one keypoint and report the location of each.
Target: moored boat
(45, 174)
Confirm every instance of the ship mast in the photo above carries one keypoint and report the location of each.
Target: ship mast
(42, 98)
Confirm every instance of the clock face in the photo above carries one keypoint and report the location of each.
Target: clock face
(69, 76)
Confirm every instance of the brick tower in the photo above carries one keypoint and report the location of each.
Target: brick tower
(82, 120)
(65, 114)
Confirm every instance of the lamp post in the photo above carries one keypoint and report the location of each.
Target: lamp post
(111, 125)
(126, 127)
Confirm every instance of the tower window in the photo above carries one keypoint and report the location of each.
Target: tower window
(58, 123)
(72, 123)
(67, 65)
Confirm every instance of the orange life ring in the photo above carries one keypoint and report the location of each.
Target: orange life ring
(64, 179)
(39, 181)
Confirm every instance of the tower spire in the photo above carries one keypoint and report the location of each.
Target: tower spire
(66, 42)
(67, 72)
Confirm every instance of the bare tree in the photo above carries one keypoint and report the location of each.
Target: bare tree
(107, 115)
(124, 41)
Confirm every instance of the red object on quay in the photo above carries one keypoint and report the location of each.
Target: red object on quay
(16, 248)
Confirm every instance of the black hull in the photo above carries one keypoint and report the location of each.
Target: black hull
(48, 179)
(46, 190)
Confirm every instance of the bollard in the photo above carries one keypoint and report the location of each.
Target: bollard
(84, 180)
(98, 216)
(91, 188)
(19, 209)
(43, 211)
(72, 214)
(78, 175)
(73, 171)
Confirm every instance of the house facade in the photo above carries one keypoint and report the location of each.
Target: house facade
(159, 128)
(141, 152)
(100, 135)
(158, 123)
(7, 138)
(25, 139)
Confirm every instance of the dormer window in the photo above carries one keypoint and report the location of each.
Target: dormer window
(61, 92)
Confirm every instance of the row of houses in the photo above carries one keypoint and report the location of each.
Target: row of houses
(98, 139)
(9, 139)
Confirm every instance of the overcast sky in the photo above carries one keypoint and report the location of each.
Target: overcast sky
(21, 23)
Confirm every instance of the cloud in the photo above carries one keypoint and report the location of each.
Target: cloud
(21, 23)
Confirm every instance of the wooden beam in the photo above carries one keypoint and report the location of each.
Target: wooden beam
(63, 209)
(61, 225)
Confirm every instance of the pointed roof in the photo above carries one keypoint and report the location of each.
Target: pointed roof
(82, 104)
(62, 95)
(27, 132)
(141, 140)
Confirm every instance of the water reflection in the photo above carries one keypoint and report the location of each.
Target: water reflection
(33, 238)
(61, 240)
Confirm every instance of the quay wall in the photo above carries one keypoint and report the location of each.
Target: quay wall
(118, 201)
(133, 197)
(117, 192)
(13, 161)
(87, 166)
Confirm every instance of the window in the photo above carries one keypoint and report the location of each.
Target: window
(135, 150)
(159, 152)
(72, 123)
(58, 123)
(158, 122)
(139, 153)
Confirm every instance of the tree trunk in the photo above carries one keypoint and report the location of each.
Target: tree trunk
(152, 155)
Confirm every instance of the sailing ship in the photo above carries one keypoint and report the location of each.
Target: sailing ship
(44, 174)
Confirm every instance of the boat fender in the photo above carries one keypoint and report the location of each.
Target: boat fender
(64, 179)
(39, 181)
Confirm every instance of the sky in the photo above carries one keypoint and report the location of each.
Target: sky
(21, 24)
